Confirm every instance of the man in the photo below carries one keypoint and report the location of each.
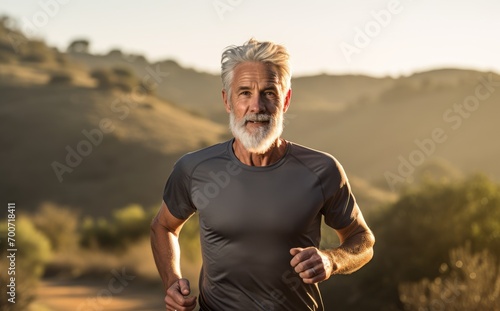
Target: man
(260, 200)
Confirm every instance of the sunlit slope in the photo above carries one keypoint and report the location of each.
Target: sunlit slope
(450, 114)
(335, 93)
(193, 90)
(374, 125)
(94, 149)
(444, 120)
(201, 92)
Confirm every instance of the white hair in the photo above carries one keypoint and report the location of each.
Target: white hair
(255, 51)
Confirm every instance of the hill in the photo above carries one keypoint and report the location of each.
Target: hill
(59, 150)
(201, 92)
(446, 116)
(196, 91)
(373, 125)
(385, 131)
(69, 141)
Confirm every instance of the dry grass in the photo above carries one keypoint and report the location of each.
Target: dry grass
(84, 273)
(138, 259)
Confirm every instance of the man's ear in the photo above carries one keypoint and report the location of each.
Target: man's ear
(225, 98)
(288, 98)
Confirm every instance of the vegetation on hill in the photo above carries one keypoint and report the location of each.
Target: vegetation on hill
(436, 246)
(56, 243)
(446, 232)
(373, 125)
(24, 267)
(102, 139)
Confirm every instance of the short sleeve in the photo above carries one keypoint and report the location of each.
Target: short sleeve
(340, 208)
(177, 194)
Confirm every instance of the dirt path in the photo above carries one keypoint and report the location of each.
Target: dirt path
(99, 295)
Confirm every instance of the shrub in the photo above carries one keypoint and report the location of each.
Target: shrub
(115, 53)
(416, 233)
(79, 46)
(35, 57)
(120, 78)
(61, 78)
(123, 72)
(37, 52)
(124, 86)
(131, 222)
(468, 282)
(34, 252)
(59, 224)
(436, 218)
(6, 46)
(104, 78)
(127, 225)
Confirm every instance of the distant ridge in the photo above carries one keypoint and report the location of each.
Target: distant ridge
(443, 120)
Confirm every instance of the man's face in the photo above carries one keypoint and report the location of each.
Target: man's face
(256, 106)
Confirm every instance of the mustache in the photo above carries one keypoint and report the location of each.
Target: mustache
(258, 117)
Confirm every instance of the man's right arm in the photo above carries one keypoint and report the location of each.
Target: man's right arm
(165, 229)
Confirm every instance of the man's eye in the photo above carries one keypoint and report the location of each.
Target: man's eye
(270, 94)
(245, 93)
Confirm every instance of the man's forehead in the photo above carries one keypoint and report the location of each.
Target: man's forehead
(249, 72)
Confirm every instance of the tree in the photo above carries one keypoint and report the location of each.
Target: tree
(79, 46)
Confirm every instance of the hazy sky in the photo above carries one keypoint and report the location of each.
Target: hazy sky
(376, 37)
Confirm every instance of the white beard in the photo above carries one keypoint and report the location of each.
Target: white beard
(263, 137)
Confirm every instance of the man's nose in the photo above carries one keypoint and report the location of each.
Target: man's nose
(257, 104)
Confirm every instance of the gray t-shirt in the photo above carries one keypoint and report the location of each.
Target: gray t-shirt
(251, 216)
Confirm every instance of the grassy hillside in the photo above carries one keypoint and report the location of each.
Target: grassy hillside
(368, 123)
(69, 141)
(130, 164)
(370, 138)
(201, 92)
(196, 91)
(372, 125)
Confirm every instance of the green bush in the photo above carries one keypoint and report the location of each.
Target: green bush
(439, 217)
(127, 225)
(60, 225)
(33, 253)
(415, 234)
(131, 222)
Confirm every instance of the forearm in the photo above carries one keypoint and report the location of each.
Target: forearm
(166, 252)
(352, 254)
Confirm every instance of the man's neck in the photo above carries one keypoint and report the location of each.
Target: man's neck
(271, 156)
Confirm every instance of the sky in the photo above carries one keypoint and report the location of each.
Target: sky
(372, 37)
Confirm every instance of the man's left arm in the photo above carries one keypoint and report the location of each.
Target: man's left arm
(355, 250)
